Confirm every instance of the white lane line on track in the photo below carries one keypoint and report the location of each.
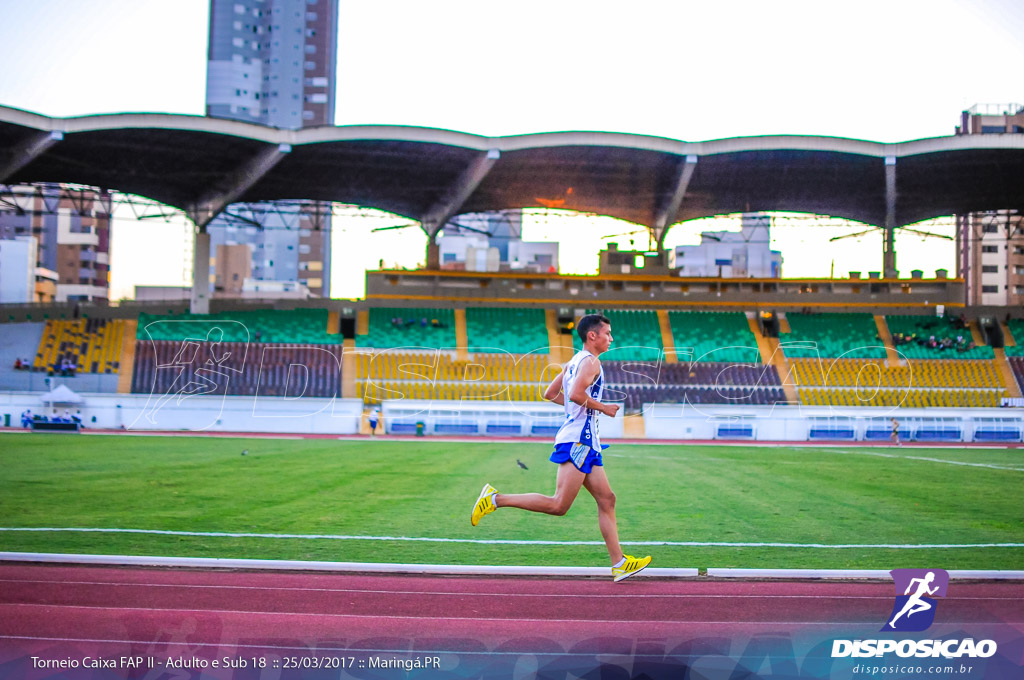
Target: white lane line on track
(351, 651)
(504, 621)
(574, 596)
(507, 541)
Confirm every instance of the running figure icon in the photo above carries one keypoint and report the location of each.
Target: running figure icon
(915, 604)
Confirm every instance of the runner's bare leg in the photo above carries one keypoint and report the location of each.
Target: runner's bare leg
(567, 486)
(598, 486)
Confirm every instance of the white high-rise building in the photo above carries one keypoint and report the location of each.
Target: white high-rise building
(990, 245)
(274, 62)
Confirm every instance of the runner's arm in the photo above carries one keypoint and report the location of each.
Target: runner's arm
(589, 370)
(553, 392)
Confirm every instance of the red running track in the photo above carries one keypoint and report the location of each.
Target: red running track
(57, 611)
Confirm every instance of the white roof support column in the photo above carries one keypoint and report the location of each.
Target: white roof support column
(200, 303)
(28, 151)
(448, 205)
(666, 215)
(889, 237)
(454, 196)
(213, 203)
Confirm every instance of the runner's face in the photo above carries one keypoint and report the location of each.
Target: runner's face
(602, 337)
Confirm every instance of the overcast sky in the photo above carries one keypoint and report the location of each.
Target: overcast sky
(888, 71)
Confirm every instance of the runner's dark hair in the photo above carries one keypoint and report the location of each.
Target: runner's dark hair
(591, 322)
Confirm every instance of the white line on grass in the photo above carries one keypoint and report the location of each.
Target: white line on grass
(993, 466)
(510, 541)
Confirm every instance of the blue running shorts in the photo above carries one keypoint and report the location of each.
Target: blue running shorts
(580, 455)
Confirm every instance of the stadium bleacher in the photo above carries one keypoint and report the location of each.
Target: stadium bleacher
(1016, 327)
(440, 375)
(297, 326)
(923, 383)
(931, 337)
(636, 333)
(1017, 366)
(237, 368)
(832, 335)
(515, 330)
(409, 327)
(87, 345)
(713, 336)
(637, 383)
(415, 353)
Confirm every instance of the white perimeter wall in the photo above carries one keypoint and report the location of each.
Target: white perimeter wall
(483, 418)
(200, 413)
(793, 423)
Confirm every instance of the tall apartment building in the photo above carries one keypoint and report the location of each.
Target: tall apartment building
(990, 245)
(274, 62)
(71, 229)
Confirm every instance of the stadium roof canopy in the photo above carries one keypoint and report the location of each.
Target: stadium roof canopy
(202, 164)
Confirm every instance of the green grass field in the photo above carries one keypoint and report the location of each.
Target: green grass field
(710, 494)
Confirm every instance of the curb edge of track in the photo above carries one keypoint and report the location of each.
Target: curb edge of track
(468, 570)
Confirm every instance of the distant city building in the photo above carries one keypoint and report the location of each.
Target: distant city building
(71, 229)
(233, 265)
(491, 242)
(990, 245)
(152, 293)
(636, 262)
(18, 270)
(730, 254)
(272, 290)
(273, 62)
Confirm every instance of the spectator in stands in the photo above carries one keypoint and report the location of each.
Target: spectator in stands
(26, 418)
(17, 364)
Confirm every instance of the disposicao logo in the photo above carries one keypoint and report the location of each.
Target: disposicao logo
(913, 611)
(916, 590)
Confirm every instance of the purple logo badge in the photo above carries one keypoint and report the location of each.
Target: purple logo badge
(916, 589)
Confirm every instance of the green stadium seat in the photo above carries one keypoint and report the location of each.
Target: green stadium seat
(404, 327)
(852, 336)
(1016, 327)
(301, 326)
(924, 327)
(636, 333)
(518, 331)
(713, 336)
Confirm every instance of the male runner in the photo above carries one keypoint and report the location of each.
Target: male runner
(577, 452)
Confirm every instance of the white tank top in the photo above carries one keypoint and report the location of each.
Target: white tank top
(580, 424)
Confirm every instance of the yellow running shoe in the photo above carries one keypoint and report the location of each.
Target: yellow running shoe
(631, 566)
(484, 504)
